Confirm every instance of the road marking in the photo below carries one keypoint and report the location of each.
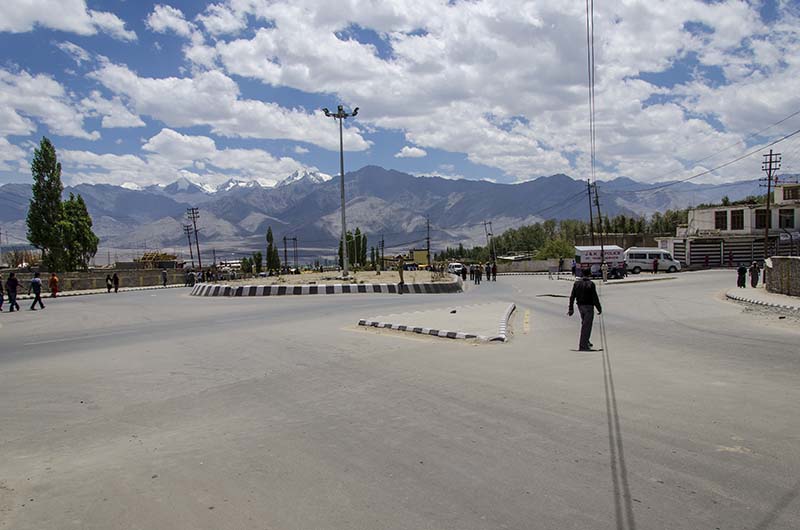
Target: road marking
(82, 337)
(526, 323)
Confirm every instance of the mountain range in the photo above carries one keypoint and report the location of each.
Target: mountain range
(234, 216)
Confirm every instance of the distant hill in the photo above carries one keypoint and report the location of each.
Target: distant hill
(235, 216)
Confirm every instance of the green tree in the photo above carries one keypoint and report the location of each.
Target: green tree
(247, 265)
(257, 262)
(78, 240)
(273, 257)
(556, 248)
(45, 212)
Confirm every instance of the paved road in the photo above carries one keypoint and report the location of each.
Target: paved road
(159, 410)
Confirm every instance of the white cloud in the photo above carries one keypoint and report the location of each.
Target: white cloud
(113, 111)
(23, 96)
(78, 54)
(18, 16)
(411, 152)
(10, 153)
(300, 150)
(169, 154)
(167, 18)
(212, 99)
(219, 19)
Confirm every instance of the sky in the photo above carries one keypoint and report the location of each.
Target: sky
(138, 93)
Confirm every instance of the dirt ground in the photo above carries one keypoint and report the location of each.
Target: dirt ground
(322, 278)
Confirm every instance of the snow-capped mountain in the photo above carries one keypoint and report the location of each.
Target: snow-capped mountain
(304, 175)
(230, 184)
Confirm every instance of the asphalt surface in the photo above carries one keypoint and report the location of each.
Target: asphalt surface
(159, 410)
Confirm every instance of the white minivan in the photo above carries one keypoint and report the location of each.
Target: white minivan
(641, 259)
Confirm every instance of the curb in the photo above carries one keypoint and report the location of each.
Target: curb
(738, 298)
(533, 273)
(87, 292)
(208, 289)
(502, 335)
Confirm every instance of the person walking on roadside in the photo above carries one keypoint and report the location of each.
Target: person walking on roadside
(36, 287)
(574, 267)
(53, 285)
(11, 288)
(2, 293)
(464, 273)
(488, 271)
(164, 277)
(115, 281)
(655, 266)
(585, 293)
(754, 272)
(741, 276)
(109, 283)
(494, 272)
(604, 271)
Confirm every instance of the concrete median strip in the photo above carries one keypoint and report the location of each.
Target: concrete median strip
(732, 295)
(86, 292)
(435, 322)
(210, 289)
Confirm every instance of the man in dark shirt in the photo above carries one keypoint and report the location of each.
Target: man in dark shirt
(11, 288)
(585, 292)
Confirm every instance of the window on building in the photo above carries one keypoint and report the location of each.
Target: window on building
(762, 219)
(786, 218)
(721, 220)
(737, 219)
(791, 193)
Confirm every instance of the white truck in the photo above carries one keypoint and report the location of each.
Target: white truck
(593, 256)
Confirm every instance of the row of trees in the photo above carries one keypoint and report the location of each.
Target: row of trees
(556, 239)
(356, 249)
(62, 230)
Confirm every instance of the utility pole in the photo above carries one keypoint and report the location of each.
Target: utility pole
(428, 240)
(493, 250)
(214, 254)
(771, 164)
(341, 115)
(383, 244)
(296, 264)
(591, 213)
(285, 259)
(486, 231)
(188, 231)
(600, 222)
(193, 213)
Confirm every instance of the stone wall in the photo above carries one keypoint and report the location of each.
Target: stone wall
(77, 281)
(531, 265)
(783, 276)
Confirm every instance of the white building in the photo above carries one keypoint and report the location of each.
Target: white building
(733, 234)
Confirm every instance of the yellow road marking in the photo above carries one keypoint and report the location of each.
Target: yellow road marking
(526, 323)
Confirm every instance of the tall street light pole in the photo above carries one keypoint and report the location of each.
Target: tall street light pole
(341, 115)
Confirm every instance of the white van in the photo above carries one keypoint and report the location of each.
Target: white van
(455, 268)
(641, 259)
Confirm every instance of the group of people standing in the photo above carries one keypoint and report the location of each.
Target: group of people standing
(741, 275)
(476, 272)
(12, 287)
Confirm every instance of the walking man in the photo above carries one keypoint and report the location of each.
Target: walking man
(164, 277)
(53, 285)
(36, 287)
(655, 266)
(754, 272)
(585, 292)
(11, 288)
(115, 281)
(494, 272)
(741, 276)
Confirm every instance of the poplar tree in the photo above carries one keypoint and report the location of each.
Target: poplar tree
(45, 212)
(78, 239)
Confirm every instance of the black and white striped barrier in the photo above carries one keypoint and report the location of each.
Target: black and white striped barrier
(210, 289)
(502, 334)
(764, 303)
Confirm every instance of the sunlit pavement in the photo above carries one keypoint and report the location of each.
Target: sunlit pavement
(160, 410)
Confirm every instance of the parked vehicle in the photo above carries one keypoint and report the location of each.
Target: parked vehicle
(593, 256)
(455, 268)
(641, 259)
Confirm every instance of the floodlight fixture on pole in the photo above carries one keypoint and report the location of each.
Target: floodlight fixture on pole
(341, 115)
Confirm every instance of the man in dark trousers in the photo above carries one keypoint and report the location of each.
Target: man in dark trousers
(585, 292)
(11, 288)
(36, 287)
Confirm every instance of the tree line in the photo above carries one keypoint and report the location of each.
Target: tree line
(556, 239)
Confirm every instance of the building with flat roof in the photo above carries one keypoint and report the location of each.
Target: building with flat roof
(726, 235)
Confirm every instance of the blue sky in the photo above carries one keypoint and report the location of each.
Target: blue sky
(139, 92)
